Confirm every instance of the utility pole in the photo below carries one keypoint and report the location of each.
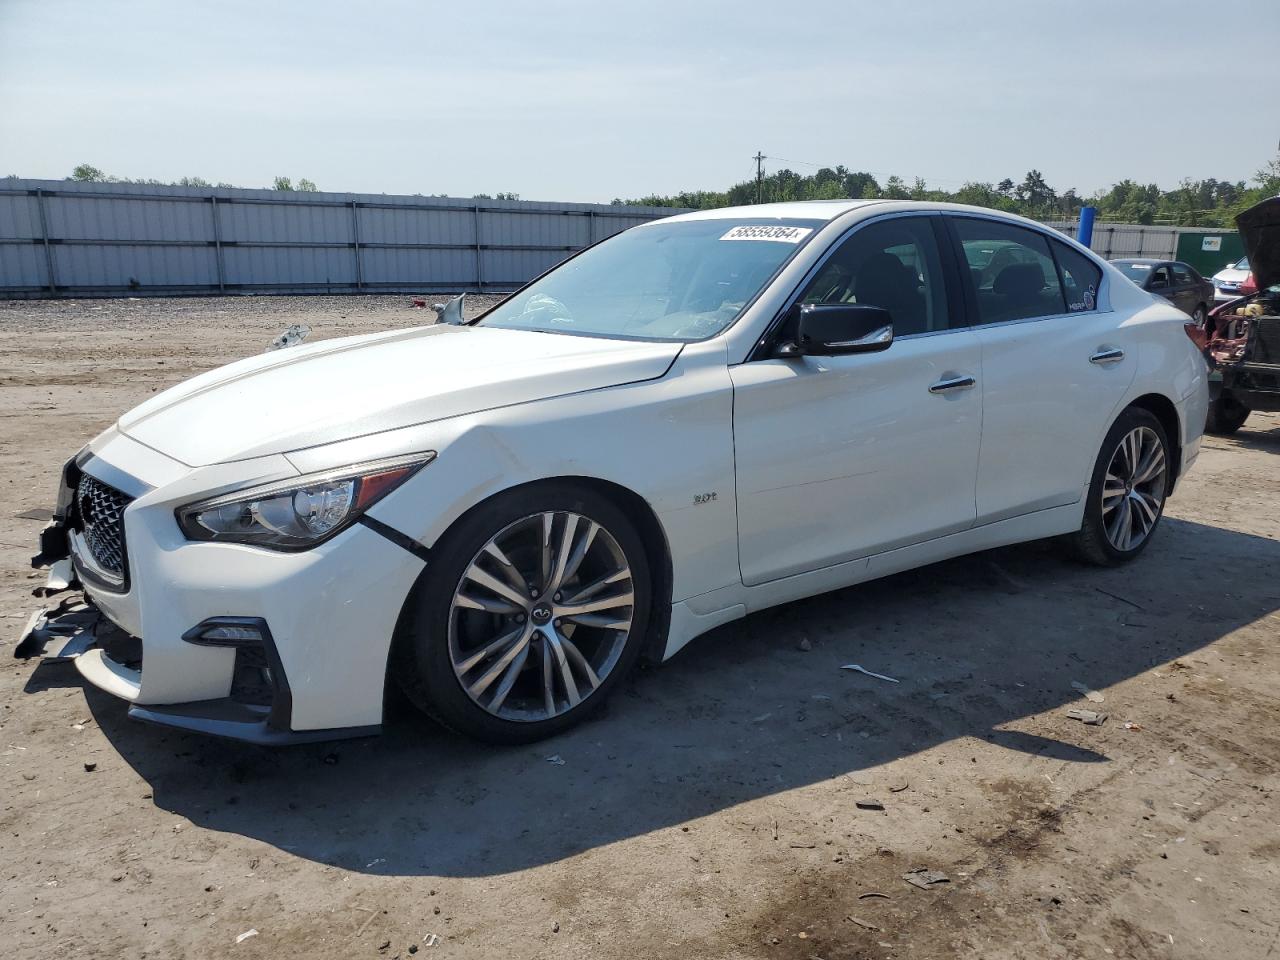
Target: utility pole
(759, 159)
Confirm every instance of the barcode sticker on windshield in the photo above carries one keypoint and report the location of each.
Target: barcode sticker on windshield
(777, 234)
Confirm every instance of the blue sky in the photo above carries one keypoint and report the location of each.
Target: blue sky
(567, 100)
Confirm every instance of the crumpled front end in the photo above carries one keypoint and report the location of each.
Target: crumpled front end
(221, 638)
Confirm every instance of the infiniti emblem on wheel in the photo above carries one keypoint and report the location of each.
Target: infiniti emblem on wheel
(541, 613)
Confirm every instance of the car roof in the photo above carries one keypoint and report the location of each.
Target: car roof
(1149, 260)
(829, 210)
(794, 210)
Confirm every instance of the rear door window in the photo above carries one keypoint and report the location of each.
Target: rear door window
(1182, 275)
(1081, 278)
(1011, 269)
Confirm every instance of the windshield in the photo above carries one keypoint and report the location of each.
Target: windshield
(683, 280)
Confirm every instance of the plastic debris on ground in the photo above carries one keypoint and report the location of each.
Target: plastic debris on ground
(1093, 696)
(856, 668)
(246, 935)
(1092, 717)
(924, 878)
(555, 758)
(292, 336)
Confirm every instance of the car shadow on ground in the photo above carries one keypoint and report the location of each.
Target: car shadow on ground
(978, 644)
(1262, 437)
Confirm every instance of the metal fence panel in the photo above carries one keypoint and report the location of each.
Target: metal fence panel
(64, 238)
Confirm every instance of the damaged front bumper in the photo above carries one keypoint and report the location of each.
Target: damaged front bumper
(307, 660)
(76, 631)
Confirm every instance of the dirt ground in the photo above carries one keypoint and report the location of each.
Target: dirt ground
(712, 811)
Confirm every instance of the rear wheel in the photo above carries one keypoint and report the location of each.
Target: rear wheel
(1127, 492)
(533, 609)
(1226, 415)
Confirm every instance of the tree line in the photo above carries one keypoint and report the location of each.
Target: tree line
(88, 173)
(1193, 203)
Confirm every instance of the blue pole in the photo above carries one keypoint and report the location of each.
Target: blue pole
(1085, 232)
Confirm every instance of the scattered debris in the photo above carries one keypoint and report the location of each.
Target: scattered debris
(90, 766)
(803, 846)
(375, 862)
(431, 939)
(293, 335)
(556, 759)
(555, 927)
(331, 759)
(864, 924)
(762, 718)
(1116, 596)
(874, 894)
(869, 804)
(365, 926)
(860, 669)
(924, 878)
(804, 646)
(775, 828)
(1093, 696)
(246, 935)
(421, 304)
(1092, 717)
(899, 786)
(1130, 725)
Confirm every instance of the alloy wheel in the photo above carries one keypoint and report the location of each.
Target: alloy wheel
(1134, 488)
(541, 616)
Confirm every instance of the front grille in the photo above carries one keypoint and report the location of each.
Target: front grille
(101, 509)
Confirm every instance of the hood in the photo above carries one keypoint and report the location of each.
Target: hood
(1259, 228)
(338, 389)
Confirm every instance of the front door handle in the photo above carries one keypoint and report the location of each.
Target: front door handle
(952, 383)
(1112, 355)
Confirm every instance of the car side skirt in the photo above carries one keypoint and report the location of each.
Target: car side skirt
(695, 616)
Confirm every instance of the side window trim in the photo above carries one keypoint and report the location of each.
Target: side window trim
(761, 350)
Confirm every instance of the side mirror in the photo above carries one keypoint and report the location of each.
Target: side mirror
(832, 329)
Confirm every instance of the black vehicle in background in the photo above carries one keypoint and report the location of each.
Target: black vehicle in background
(1177, 282)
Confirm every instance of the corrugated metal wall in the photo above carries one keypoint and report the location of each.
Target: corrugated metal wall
(1113, 241)
(62, 238)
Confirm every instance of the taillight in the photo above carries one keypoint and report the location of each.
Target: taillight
(1248, 286)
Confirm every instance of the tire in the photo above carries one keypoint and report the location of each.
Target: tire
(1101, 538)
(1226, 416)
(584, 659)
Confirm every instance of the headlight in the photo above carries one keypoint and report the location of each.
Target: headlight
(300, 512)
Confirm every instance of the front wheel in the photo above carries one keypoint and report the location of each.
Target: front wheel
(1127, 492)
(533, 608)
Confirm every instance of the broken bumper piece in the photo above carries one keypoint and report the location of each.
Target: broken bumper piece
(75, 630)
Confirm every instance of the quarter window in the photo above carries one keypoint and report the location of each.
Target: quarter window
(892, 264)
(1081, 278)
(1012, 273)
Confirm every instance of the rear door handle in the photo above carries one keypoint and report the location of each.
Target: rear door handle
(1113, 355)
(952, 383)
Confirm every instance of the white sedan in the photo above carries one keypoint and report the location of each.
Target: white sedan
(696, 419)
